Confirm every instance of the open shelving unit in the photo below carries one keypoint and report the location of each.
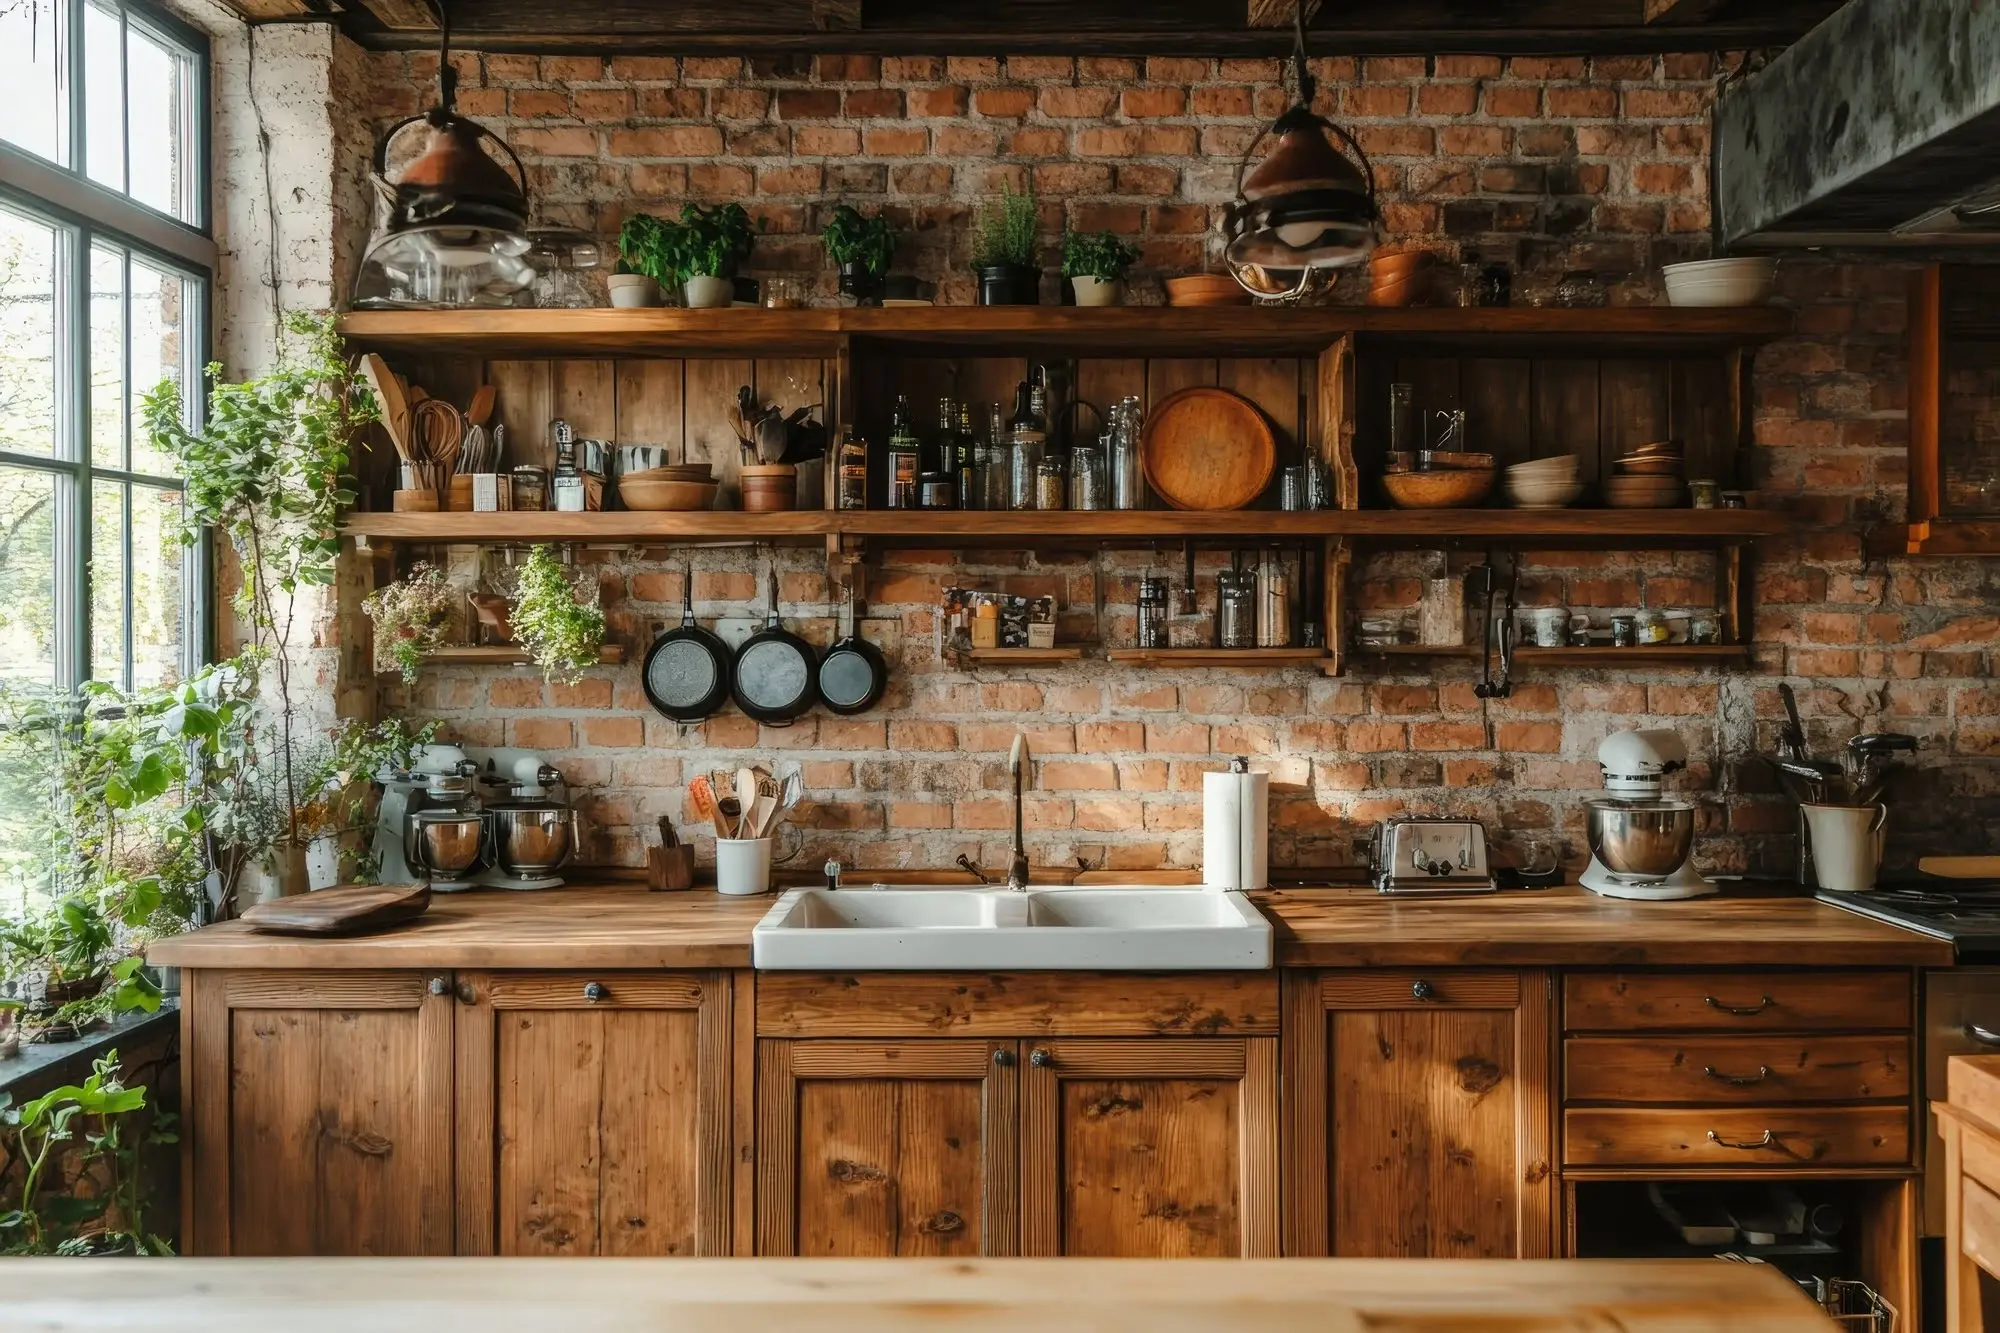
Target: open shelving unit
(1588, 382)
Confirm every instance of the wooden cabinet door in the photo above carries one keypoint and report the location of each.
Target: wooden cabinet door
(1419, 1110)
(886, 1148)
(1150, 1147)
(319, 1113)
(593, 1113)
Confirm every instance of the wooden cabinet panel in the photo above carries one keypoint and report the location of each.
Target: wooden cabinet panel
(1162, 1147)
(593, 1113)
(1737, 1001)
(1418, 1108)
(887, 1148)
(320, 1113)
(1725, 1070)
(1729, 1137)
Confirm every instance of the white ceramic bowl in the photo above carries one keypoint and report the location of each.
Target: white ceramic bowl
(1543, 495)
(1721, 282)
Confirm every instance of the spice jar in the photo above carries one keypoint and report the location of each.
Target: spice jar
(1152, 613)
(1623, 629)
(531, 487)
(1649, 627)
(1086, 478)
(1292, 488)
(1049, 484)
(1236, 614)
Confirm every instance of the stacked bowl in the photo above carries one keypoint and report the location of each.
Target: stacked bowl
(1721, 282)
(1647, 478)
(1545, 483)
(675, 486)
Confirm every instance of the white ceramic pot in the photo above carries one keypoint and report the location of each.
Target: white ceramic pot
(1097, 291)
(633, 291)
(323, 862)
(709, 293)
(1846, 844)
(742, 866)
(281, 874)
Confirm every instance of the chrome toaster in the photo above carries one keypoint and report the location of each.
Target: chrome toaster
(1422, 854)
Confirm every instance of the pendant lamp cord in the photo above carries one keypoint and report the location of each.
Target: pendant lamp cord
(447, 73)
(1308, 88)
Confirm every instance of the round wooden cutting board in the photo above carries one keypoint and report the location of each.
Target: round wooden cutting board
(1208, 448)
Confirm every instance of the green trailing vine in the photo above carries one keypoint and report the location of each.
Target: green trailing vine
(561, 634)
(411, 617)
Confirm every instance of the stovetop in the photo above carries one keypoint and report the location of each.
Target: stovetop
(1964, 911)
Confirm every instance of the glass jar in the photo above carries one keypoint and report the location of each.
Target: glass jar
(1380, 631)
(1649, 628)
(531, 487)
(1236, 613)
(1152, 613)
(1292, 488)
(1403, 434)
(1086, 477)
(1127, 472)
(1024, 467)
(1548, 626)
(1319, 483)
(1049, 484)
(1623, 631)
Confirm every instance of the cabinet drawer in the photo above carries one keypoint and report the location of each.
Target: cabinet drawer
(1724, 1137)
(1736, 1001)
(1735, 1071)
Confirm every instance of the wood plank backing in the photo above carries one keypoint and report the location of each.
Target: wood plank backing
(649, 404)
(707, 412)
(1767, 1001)
(1737, 1137)
(1736, 1070)
(950, 1004)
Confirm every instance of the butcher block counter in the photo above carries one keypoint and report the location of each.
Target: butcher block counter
(888, 1296)
(619, 925)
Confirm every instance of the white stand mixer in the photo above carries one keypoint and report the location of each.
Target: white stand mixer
(1635, 765)
(524, 776)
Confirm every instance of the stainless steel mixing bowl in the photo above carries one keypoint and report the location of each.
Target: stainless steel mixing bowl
(532, 839)
(1640, 839)
(444, 844)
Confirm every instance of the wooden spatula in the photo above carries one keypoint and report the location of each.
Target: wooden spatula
(480, 410)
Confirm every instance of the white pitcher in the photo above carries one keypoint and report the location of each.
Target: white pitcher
(1846, 844)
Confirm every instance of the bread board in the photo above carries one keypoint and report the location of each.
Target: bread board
(348, 909)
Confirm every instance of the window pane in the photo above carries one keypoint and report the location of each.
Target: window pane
(28, 326)
(103, 96)
(107, 582)
(157, 566)
(32, 50)
(107, 357)
(27, 575)
(163, 309)
(160, 89)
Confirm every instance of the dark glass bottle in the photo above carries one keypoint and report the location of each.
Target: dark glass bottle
(967, 460)
(851, 469)
(903, 457)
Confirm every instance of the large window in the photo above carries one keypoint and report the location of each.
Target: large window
(104, 278)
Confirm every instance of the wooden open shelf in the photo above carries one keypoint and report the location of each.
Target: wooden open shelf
(468, 654)
(898, 527)
(1664, 654)
(1241, 659)
(1059, 655)
(941, 330)
(1939, 536)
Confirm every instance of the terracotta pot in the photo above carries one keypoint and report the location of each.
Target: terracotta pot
(1205, 289)
(769, 488)
(1098, 291)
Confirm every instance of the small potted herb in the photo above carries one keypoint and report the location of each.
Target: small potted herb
(1096, 264)
(697, 254)
(862, 247)
(411, 617)
(561, 634)
(643, 263)
(1005, 259)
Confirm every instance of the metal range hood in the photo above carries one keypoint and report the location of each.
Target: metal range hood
(1878, 129)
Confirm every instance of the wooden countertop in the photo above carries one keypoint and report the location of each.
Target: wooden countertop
(891, 1295)
(621, 925)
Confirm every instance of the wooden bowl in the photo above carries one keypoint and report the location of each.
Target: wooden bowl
(1392, 295)
(1208, 448)
(1458, 489)
(1452, 461)
(1205, 289)
(643, 491)
(1650, 465)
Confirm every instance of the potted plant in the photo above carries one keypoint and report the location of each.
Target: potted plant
(1005, 259)
(346, 797)
(560, 634)
(643, 263)
(80, 1155)
(699, 254)
(411, 617)
(862, 247)
(1096, 264)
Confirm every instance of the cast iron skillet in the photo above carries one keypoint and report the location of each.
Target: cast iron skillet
(775, 670)
(852, 674)
(687, 669)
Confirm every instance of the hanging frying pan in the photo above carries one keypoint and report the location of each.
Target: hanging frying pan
(775, 670)
(852, 673)
(687, 670)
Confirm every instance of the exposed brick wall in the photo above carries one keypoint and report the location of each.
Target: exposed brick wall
(1560, 161)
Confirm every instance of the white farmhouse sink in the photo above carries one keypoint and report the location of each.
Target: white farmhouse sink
(929, 928)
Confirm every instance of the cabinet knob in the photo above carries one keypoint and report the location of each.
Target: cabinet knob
(1040, 1058)
(1423, 990)
(593, 991)
(439, 986)
(1005, 1059)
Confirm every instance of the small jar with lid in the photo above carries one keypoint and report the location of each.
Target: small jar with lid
(1236, 613)
(1086, 477)
(1649, 628)
(531, 487)
(1152, 613)
(1049, 484)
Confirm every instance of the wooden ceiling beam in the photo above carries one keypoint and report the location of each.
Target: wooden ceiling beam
(403, 15)
(837, 15)
(1279, 13)
(1686, 11)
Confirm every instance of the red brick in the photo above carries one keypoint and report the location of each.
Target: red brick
(572, 69)
(621, 732)
(1513, 100)
(942, 101)
(1117, 69)
(1469, 67)
(911, 69)
(557, 143)
(876, 102)
(960, 141)
(808, 104)
(1222, 101)
(540, 733)
(714, 180)
(1007, 103)
(848, 68)
(515, 692)
(1142, 178)
(1076, 775)
(899, 142)
(1661, 178)
(697, 68)
(585, 693)
(1376, 737)
(1108, 141)
(1583, 102)
(1040, 67)
(826, 141)
(971, 68)
(667, 141)
(804, 178)
(538, 102)
(1175, 69)
(1177, 738)
(1149, 102)
(1665, 103)
(1110, 737)
(1038, 141)
(920, 814)
(644, 68)
(910, 735)
(1447, 736)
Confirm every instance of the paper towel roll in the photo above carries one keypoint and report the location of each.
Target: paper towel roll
(1235, 842)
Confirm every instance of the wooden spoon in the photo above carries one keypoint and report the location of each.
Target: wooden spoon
(395, 407)
(480, 410)
(746, 793)
(762, 815)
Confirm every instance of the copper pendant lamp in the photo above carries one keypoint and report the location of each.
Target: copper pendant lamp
(1309, 206)
(456, 226)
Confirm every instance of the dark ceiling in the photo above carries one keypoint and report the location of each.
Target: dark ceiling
(1101, 27)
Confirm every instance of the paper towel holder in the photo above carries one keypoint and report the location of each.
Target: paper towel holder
(1240, 764)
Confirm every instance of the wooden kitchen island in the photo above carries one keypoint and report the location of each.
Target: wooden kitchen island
(599, 1072)
(878, 1296)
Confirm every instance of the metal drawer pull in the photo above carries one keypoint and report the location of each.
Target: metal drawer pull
(1720, 1142)
(439, 986)
(1423, 990)
(593, 991)
(1740, 1010)
(1737, 1080)
(1984, 1036)
(1040, 1059)
(1005, 1059)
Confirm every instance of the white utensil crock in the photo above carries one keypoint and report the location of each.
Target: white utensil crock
(742, 866)
(1846, 844)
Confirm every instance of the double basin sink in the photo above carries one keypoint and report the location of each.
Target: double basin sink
(926, 928)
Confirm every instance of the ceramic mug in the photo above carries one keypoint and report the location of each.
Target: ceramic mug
(1846, 844)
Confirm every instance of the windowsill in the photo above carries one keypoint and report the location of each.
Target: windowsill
(44, 1065)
